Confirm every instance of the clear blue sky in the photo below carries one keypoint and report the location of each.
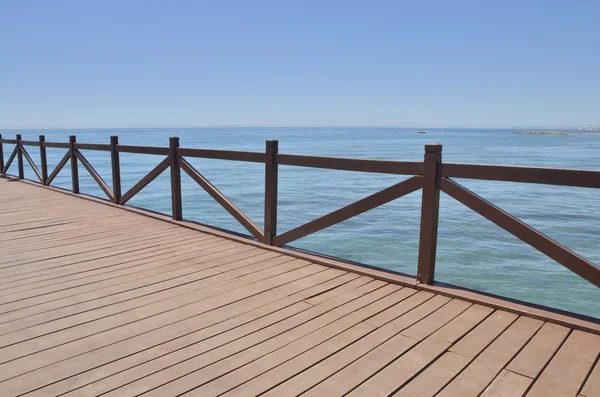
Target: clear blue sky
(304, 63)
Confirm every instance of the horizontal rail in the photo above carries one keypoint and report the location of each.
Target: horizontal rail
(345, 164)
(524, 232)
(9, 141)
(30, 143)
(546, 176)
(92, 146)
(143, 149)
(253, 157)
(57, 145)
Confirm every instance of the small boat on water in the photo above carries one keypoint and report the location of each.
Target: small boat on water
(421, 132)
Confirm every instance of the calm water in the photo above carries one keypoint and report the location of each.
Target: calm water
(472, 252)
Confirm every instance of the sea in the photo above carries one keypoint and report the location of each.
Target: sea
(472, 252)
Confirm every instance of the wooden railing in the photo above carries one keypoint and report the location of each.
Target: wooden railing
(431, 175)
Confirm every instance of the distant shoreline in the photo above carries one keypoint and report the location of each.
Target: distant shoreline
(564, 133)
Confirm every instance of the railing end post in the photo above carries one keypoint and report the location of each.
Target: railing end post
(430, 207)
(1, 156)
(116, 168)
(43, 160)
(20, 157)
(271, 180)
(74, 168)
(175, 179)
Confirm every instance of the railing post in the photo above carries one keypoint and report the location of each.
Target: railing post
(271, 190)
(44, 162)
(74, 169)
(175, 179)
(116, 168)
(20, 157)
(430, 206)
(1, 156)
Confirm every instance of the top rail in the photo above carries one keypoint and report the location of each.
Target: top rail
(253, 157)
(346, 164)
(30, 143)
(546, 176)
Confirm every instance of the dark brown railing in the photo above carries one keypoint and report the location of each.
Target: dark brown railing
(431, 175)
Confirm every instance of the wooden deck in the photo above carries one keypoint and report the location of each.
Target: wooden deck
(96, 300)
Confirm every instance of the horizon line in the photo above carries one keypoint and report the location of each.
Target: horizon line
(290, 126)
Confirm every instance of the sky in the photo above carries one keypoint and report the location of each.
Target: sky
(127, 63)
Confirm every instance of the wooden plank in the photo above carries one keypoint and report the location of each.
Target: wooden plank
(577, 264)
(56, 145)
(336, 163)
(368, 203)
(436, 320)
(220, 198)
(143, 149)
(286, 370)
(92, 146)
(36, 269)
(89, 265)
(399, 309)
(508, 384)
(158, 278)
(483, 334)
(569, 368)
(140, 343)
(548, 176)
(538, 352)
(60, 293)
(254, 157)
(303, 381)
(463, 324)
(429, 382)
(17, 344)
(107, 290)
(280, 351)
(244, 350)
(362, 369)
(482, 371)
(239, 320)
(152, 175)
(30, 143)
(398, 372)
(591, 388)
(162, 314)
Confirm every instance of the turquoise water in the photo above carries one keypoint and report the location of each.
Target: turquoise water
(472, 252)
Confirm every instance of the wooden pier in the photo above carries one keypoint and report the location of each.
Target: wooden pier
(98, 298)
